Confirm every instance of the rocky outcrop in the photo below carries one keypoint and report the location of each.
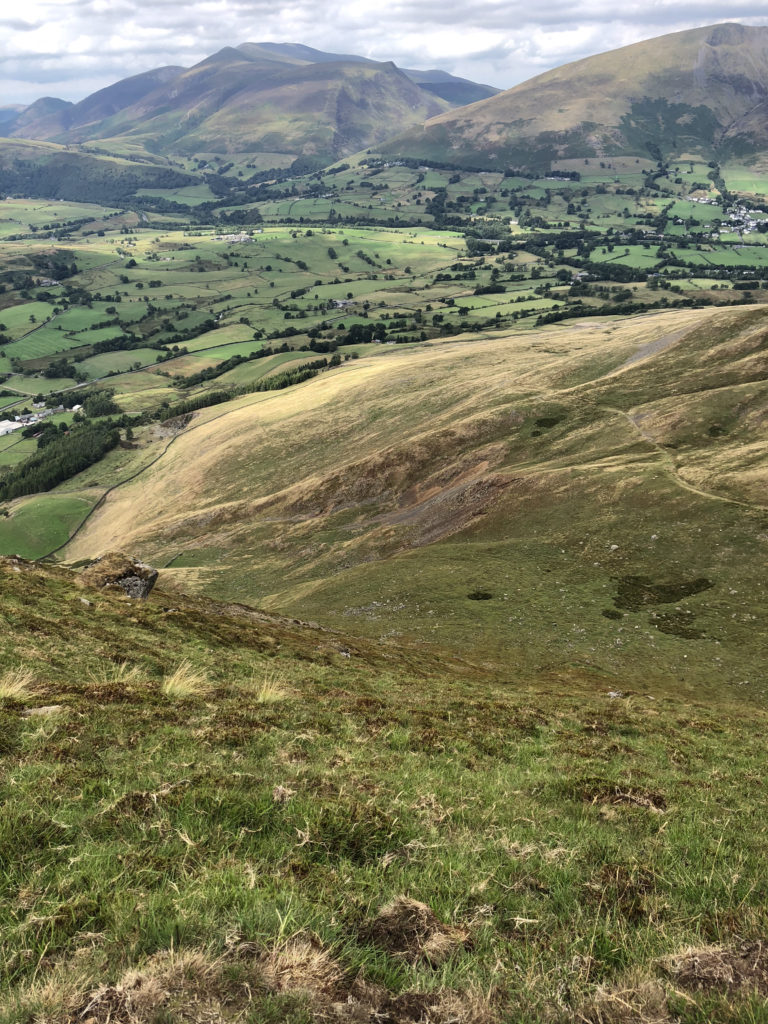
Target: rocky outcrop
(118, 571)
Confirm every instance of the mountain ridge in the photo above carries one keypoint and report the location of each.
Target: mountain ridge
(270, 96)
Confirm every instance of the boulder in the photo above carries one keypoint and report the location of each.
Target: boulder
(118, 571)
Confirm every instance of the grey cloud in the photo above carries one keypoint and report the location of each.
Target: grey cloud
(495, 41)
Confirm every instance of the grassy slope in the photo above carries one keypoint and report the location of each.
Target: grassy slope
(572, 842)
(556, 114)
(229, 103)
(542, 468)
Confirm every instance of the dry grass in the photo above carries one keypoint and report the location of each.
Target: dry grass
(122, 676)
(195, 987)
(185, 681)
(410, 929)
(302, 965)
(189, 986)
(643, 1003)
(268, 688)
(16, 683)
(744, 967)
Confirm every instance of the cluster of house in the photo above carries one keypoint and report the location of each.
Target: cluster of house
(28, 419)
(233, 239)
(745, 221)
(741, 219)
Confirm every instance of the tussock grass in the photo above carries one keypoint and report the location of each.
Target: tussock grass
(184, 682)
(521, 853)
(269, 687)
(16, 683)
(122, 675)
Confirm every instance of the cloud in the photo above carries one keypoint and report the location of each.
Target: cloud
(74, 46)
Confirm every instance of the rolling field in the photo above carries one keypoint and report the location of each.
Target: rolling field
(44, 523)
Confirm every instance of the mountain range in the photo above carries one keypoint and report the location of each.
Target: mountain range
(701, 92)
(257, 97)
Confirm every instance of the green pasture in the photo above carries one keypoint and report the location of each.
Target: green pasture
(117, 362)
(192, 195)
(38, 524)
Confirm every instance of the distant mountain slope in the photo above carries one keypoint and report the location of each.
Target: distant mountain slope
(33, 168)
(703, 91)
(42, 119)
(51, 118)
(258, 97)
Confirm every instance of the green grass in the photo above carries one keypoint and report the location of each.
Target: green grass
(34, 386)
(571, 838)
(117, 362)
(40, 524)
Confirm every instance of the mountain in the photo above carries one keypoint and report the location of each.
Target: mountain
(703, 91)
(258, 97)
(456, 91)
(42, 119)
(53, 119)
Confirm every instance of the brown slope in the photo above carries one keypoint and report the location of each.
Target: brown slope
(678, 92)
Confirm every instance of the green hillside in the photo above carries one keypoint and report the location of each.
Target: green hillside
(700, 91)
(584, 501)
(31, 168)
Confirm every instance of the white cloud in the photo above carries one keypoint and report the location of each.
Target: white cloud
(69, 47)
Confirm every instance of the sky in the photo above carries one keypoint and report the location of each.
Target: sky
(71, 48)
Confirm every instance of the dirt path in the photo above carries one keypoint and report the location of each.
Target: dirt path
(671, 465)
(653, 348)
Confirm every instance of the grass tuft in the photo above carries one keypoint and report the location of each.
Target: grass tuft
(185, 681)
(121, 675)
(269, 688)
(16, 683)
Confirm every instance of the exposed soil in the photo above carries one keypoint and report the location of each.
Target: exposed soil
(713, 967)
(411, 930)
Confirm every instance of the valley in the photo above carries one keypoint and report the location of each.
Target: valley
(440, 412)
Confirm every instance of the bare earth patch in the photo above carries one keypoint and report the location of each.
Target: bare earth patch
(732, 972)
(712, 967)
(411, 930)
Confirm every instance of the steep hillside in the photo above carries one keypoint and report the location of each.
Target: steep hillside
(698, 91)
(54, 119)
(587, 501)
(209, 814)
(43, 119)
